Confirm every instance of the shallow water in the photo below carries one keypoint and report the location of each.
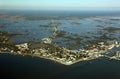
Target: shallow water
(74, 31)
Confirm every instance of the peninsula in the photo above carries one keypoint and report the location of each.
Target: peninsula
(46, 49)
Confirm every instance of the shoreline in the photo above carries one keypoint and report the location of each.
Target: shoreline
(42, 53)
(54, 60)
(69, 57)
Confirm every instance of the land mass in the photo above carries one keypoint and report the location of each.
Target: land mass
(46, 49)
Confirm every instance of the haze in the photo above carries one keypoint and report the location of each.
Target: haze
(60, 4)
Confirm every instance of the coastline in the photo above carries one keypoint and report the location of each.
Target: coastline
(58, 61)
(65, 57)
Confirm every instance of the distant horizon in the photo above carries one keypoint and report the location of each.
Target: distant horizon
(80, 9)
(60, 4)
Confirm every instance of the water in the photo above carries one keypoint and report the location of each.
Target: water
(19, 67)
(75, 28)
